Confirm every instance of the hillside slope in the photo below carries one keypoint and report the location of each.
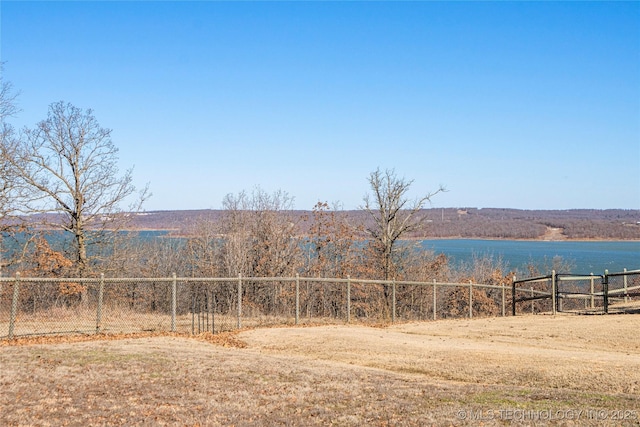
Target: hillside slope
(493, 223)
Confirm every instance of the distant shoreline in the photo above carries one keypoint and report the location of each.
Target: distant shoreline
(176, 233)
(566, 239)
(580, 225)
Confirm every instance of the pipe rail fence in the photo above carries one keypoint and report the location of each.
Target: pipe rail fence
(577, 293)
(52, 306)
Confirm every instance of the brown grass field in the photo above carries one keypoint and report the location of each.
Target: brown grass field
(525, 370)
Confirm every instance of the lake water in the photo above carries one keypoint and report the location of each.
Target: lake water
(588, 257)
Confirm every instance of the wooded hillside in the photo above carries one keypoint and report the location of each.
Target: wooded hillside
(487, 223)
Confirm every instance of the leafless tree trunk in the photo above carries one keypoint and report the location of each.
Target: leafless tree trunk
(393, 214)
(70, 163)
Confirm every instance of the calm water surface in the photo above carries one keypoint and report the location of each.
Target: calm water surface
(588, 257)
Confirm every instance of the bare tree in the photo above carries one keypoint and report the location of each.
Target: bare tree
(259, 234)
(203, 248)
(332, 248)
(70, 163)
(393, 215)
(259, 238)
(9, 190)
(12, 194)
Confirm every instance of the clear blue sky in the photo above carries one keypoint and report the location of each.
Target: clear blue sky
(532, 105)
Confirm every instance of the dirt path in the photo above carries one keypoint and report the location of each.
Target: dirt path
(553, 233)
(499, 370)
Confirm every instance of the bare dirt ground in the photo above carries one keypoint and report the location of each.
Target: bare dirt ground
(527, 370)
(553, 233)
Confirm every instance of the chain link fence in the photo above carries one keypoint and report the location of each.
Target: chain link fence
(42, 306)
(576, 293)
(623, 291)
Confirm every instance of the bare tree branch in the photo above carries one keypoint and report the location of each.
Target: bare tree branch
(70, 162)
(392, 213)
(11, 193)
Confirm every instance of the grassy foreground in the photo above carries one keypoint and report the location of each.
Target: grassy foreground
(528, 370)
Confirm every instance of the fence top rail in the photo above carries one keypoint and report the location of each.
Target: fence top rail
(89, 279)
(51, 279)
(569, 277)
(400, 282)
(327, 279)
(235, 279)
(244, 279)
(623, 273)
(561, 276)
(533, 279)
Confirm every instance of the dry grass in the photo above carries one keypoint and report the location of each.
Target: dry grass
(63, 320)
(540, 370)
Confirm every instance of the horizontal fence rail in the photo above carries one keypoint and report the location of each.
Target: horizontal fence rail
(577, 293)
(194, 305)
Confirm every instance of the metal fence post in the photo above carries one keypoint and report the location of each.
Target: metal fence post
(348, 298)
(605, 291)
(393, 301)
(560, 301)
(14, 305)
(504, 302)
(174, 301)
(554, 290)
(100, 296)
(532, 305)
(593, 302)
(434, 299)
(513, 296)
(1, 284)
(470, 299)
(297, 298)
(624, 283)
(239, 301)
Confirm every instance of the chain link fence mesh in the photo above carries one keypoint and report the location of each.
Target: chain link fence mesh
(624, 291)
(40, 306)
(534, 295)
(580, 293)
